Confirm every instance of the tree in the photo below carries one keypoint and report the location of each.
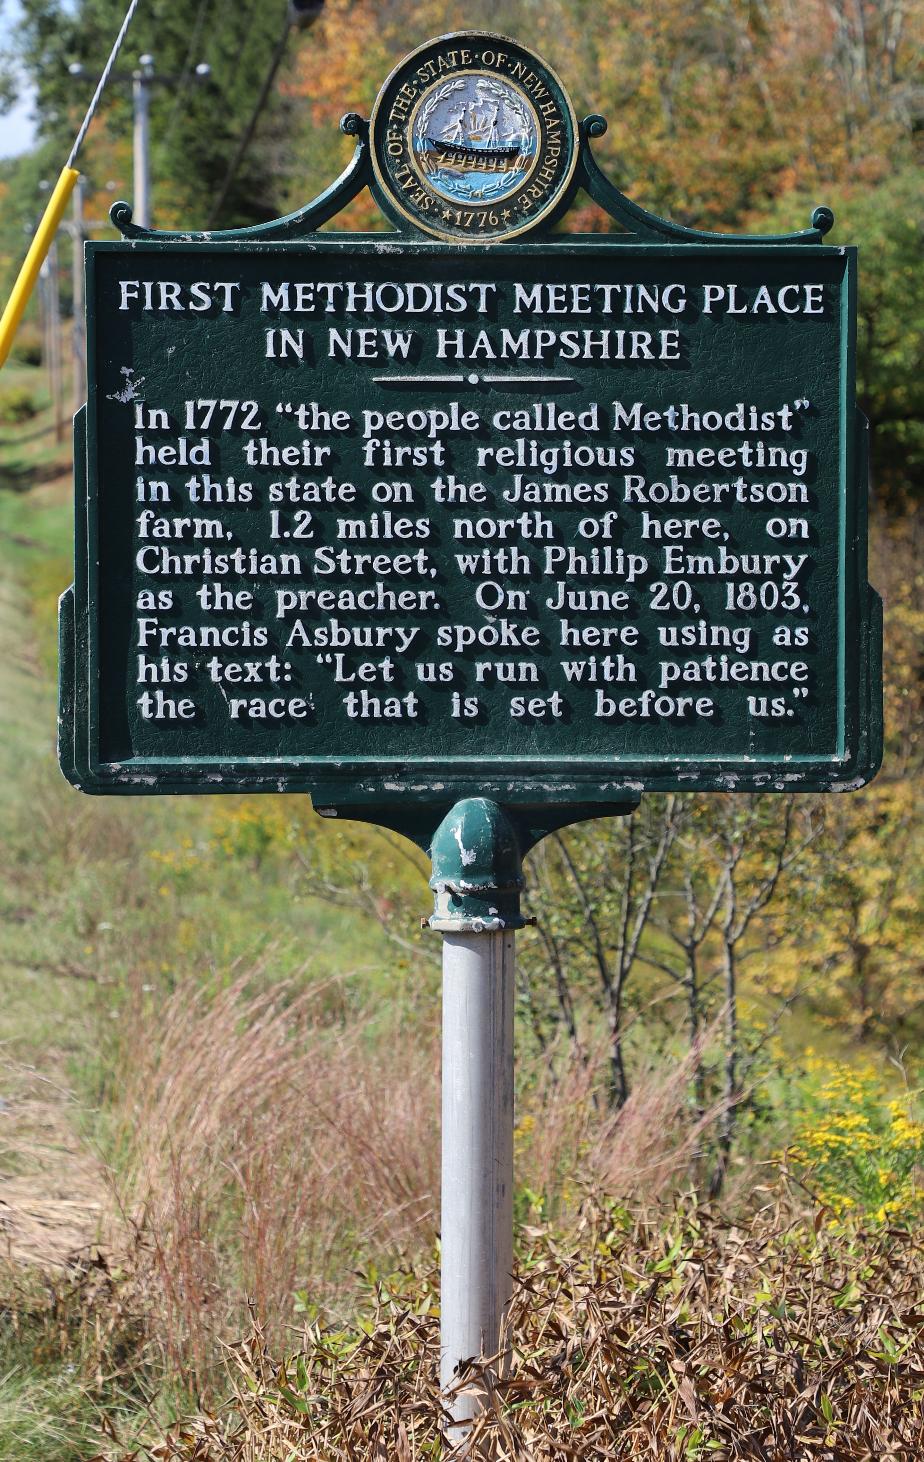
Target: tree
(886, 220)
(195, 125)
(714, 110)
(755, 842)
(860, 966)
(592, 892)
(690, 899)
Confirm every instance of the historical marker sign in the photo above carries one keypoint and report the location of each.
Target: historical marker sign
(557, 520)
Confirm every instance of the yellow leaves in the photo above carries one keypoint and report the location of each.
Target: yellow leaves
(704, 123)
(905, 1133)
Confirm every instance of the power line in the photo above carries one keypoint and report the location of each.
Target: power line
(247, 135)
(299, 15)
(186, 71)
(54, 212)
(242, 51)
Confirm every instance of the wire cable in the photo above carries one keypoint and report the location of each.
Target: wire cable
(242, 50)
(54, 212)
(296, 19)
(250, 129)
(100, 85)
(185, 73)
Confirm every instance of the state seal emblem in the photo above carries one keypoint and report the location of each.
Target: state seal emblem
(473, 139)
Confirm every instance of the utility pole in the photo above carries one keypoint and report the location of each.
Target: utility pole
(79, 338)
(143, 79)
(44, 318)
(58, 376)
(78, 229)
(53, 338)
(141, 98)
(50, 318)
(44, 298)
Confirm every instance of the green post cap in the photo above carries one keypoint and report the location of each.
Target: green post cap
(477, 870)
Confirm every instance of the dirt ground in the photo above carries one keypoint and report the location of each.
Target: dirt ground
(53, 1195)
(53, 1191)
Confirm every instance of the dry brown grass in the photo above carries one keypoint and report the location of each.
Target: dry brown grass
(647, 1149)
(270, 1146)
(690, 1338)
(262, 1150)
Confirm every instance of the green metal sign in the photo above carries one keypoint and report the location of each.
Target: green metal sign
(399, 519)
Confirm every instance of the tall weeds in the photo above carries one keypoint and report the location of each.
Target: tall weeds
(681, 1339)
(261, 1152)
(268, 1147)
(639, 1153)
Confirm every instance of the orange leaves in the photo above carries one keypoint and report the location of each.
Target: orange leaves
(714, 110)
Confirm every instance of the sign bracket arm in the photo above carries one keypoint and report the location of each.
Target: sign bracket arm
(648, 227)
(639, 224)
(355, 176)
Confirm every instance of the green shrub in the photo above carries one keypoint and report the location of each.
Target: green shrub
(16, 405)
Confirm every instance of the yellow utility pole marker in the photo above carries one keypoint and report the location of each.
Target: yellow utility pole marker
(51, 218)
(28, 274)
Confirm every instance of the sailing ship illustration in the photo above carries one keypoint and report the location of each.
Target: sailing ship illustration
(471, 138)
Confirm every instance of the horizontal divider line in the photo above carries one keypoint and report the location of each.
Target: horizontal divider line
(530, 380)
(419, 380)
(473, 380)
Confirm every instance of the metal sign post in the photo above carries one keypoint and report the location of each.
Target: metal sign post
(476, 883)
(476, 1208)
(473, 530)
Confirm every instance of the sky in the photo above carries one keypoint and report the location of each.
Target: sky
(17, 131)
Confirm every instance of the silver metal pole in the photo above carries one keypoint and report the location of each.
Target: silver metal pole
(141, 96)
(477, 879)
(476, 1224)
(476, 882)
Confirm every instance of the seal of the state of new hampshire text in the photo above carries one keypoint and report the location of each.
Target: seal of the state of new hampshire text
(473, 139)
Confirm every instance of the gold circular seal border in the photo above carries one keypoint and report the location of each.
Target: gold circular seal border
(384, 182)
(469, 71)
